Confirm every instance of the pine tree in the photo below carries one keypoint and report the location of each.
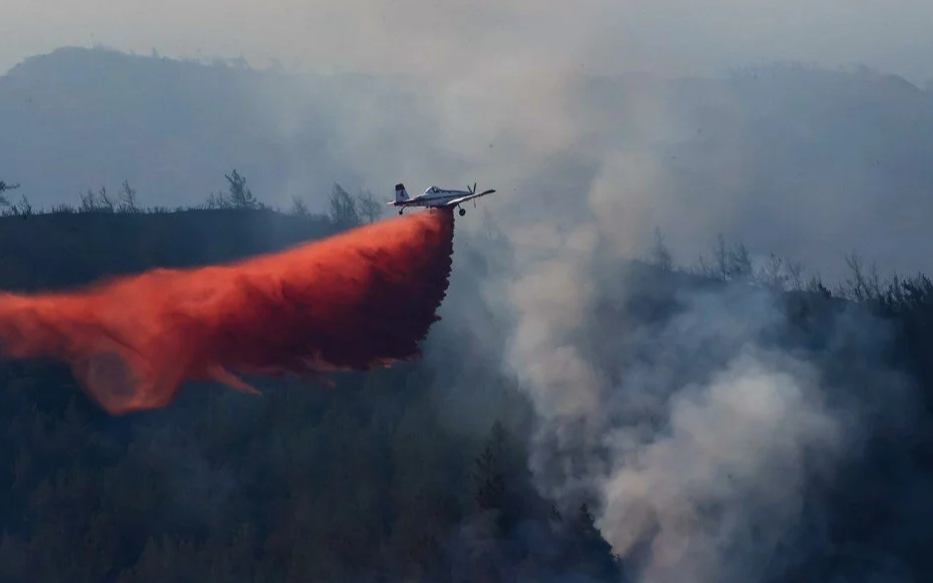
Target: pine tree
(488, 474)
(594, 555)
(4, 187)
(240, 196)
(343, 208)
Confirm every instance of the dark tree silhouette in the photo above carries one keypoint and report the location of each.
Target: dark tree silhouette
(299, 208)
(368, 207)
(128, 200)
(660, 253)
(488, 473)
(343, 208)
(5, 187)
(240, 196)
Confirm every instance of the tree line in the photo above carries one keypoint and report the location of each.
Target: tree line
(344, 209)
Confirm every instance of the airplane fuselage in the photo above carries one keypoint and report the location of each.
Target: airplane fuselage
(439, 198)
(435, 197)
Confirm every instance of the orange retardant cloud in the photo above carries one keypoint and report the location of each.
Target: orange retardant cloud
(358, 300)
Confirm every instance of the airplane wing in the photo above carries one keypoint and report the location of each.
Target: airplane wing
(463, 199)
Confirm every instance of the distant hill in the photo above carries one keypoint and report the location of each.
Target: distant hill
(77, 119)
(808, 163)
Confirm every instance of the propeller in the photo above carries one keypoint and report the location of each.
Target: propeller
(473, 190)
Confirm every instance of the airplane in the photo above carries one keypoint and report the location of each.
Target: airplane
(436, 197)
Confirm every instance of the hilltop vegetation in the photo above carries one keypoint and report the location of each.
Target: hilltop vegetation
(63, 245)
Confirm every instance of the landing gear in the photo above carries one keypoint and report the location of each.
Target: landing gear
(462, 211)
(400, 211)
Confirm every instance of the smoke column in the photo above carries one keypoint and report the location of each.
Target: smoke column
(358, 300)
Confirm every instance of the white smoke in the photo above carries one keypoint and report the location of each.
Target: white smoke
(719, 490)
(701, 446)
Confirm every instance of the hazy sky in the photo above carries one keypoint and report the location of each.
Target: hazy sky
(418, 35)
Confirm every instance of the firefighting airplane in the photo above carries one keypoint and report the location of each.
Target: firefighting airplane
(436, 197)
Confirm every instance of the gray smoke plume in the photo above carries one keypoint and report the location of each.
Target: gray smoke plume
(685, 409)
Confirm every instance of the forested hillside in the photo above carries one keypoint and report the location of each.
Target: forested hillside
(421, 472)
(368, 481)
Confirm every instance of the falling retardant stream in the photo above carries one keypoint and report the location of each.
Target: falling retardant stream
(361, 299)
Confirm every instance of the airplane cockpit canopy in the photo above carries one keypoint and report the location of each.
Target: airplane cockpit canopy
(433, 189)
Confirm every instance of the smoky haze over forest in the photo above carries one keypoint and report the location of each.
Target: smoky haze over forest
(706, 434)
(808, 163)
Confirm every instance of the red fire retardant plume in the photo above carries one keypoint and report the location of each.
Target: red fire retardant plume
(362, 299)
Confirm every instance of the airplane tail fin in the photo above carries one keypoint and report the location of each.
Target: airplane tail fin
(401, 195)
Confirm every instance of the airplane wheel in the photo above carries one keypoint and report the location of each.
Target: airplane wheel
(462, 212)
(400, 212)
